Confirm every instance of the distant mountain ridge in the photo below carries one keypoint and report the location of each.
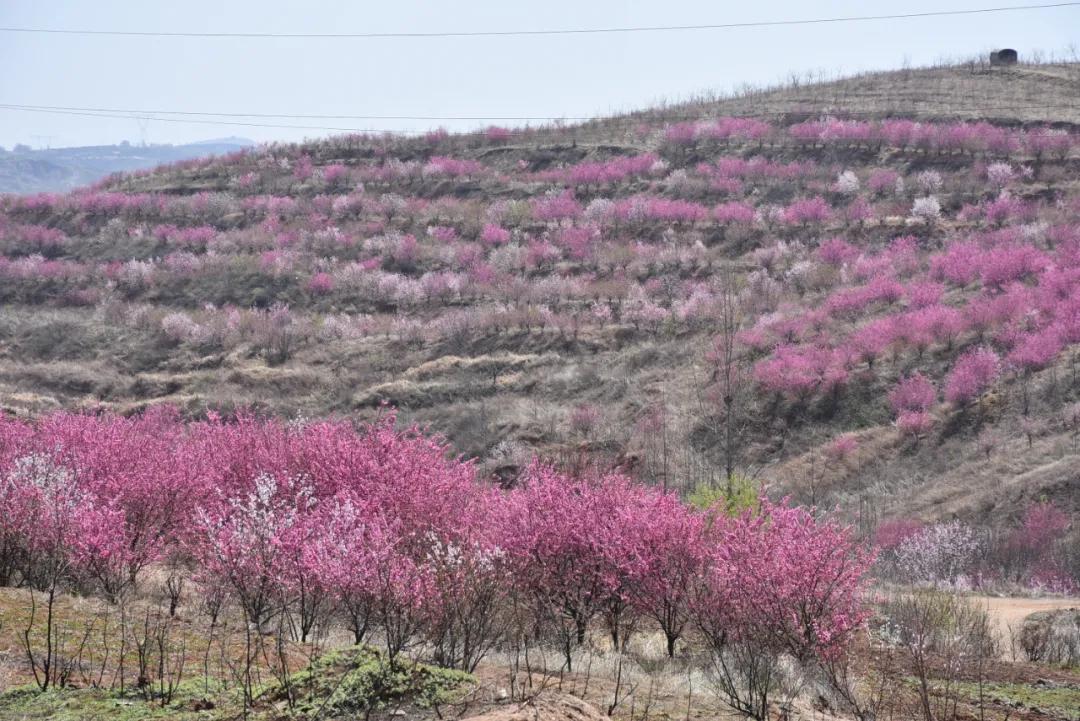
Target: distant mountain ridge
(60, 169)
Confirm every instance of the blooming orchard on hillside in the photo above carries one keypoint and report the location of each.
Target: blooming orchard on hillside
(382, 529)
(851, 266)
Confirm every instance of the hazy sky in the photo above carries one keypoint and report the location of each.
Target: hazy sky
(517, 76)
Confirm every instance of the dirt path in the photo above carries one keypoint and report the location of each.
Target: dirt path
(1010, 611)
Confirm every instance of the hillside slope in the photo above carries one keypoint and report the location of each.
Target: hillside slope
(968, 91)
(681, 291)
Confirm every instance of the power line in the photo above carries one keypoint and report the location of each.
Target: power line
(554, 31)
(300, 116)
(200, 122)
(150, 115)
(144, 116)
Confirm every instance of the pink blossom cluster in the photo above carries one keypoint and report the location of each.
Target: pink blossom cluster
(757, 168)
(801, 371)
(605, 172)
(971, 375)
(29, 239)
(954, 554)
(647, 208)
(497, 134)
(944, 554)
(723, 129)
(734, 213)
(851, 300)
(445, 166)
(970, 137)
(913, 393)
(556, 207)
(94, 202)
(807, 211)
(37, 267)
(752, 599)
(1021, 299)
(197, 237)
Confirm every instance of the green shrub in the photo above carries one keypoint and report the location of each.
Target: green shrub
(359, 679)
(730, 497)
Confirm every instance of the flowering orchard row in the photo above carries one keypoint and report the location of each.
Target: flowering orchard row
(968, 137)
(169, 225)
(898, 134)
(406, 273)
(953, 554)
(477, 251)
(1009, 299)
(956, 267)
(381, 529)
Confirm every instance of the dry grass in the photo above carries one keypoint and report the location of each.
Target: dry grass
(637, 685)
(1031, 92)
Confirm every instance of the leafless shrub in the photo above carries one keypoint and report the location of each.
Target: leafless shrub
(1051, 637)
(947, 638)
(864, 684)
(160, 656)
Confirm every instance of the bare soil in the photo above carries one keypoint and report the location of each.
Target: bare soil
(1009, 612)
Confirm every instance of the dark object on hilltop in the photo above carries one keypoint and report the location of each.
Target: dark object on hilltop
(1005, 56)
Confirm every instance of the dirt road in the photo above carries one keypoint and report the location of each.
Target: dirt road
(1010, 611)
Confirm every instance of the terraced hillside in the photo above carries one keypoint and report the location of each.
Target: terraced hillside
(861, 291)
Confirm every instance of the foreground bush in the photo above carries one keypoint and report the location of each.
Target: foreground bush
(1052, 637)
(359, 680)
